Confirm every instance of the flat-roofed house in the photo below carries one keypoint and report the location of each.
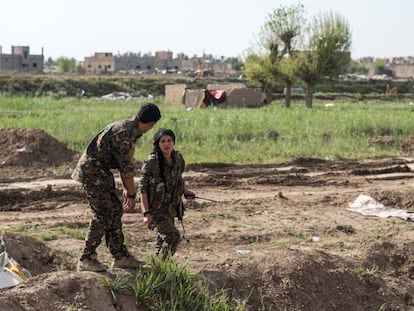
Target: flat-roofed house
(21, 60)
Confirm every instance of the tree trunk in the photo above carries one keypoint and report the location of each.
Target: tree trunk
(309, 96)
(288, 95)
(269, 94)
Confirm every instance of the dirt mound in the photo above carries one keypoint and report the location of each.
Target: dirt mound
(35, 256)
(28, 147)
(338, 282)
(382, 141)
(64, 290)
(54, 285)
(306, 279)
(387, 141)
(408, 144)
(38, 199)
(280, 236)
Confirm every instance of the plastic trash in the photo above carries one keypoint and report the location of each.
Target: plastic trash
(242, 251)
(11, 272)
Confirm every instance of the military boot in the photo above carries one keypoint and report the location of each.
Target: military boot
(90, 264)
(127, 262)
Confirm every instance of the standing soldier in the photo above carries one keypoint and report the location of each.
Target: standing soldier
(162, 186)
(112, 148)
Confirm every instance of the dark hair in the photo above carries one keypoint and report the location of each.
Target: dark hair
(160, 133)
(157, 136)
(148, 113)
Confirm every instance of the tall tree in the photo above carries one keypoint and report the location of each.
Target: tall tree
(327, 53)
(65, 64)
(283, 30)
(260, 69)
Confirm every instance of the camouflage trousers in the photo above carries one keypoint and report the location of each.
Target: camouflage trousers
(107, 217)
(168, 238)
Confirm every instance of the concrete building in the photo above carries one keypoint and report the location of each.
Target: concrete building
(401, 67)
(21, 60)
(161, 62)
(134, 63)
(100, 63)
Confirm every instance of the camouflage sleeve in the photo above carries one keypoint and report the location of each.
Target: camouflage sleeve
(147, 173)
(123, 149)
(180, 161)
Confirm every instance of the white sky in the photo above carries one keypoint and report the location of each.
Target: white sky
(79, 28)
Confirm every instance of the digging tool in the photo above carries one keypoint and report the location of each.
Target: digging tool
(197, 197)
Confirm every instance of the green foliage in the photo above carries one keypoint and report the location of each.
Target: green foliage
(236, 63)
(368, 272)
(295, 50)
(284, 26)
(17, 228)
(94, 86)
(357, 68)
(115, 287)
(278, 40)
(270, 134)
(259, 69)
(46, 236)
(170, 287)
(75, 233)
(65, 64)
(379, 66)
(331, 39)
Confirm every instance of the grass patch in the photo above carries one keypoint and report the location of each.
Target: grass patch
(265, 135)
(46, 236)
(74, 233)
(368, 272)
(17, 228)
(115, 287)
(168, 286)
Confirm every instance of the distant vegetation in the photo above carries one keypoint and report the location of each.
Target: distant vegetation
(60, 86)
(270, 134)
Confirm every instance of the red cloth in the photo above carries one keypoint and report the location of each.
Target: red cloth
(217, 95)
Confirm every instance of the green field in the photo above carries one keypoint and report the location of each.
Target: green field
(270, 134)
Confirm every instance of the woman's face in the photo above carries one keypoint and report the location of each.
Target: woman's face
(166, 145)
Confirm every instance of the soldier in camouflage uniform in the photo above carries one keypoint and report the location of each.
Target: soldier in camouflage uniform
(112, 148)
(161, 186)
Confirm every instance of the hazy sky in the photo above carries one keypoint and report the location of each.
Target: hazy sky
(79, 28)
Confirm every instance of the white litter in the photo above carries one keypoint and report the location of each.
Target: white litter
(242, 251)
(11, 272)
(368, 206)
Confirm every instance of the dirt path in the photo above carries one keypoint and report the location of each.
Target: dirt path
(280, 235)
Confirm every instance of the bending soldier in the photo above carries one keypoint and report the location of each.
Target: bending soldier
(112, 148)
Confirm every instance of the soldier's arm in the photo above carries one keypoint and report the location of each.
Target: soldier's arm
(188, 194)
(129, 194)
(143, 189)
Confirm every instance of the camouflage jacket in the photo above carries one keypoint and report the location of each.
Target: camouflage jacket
(112, 148)
(162, 191)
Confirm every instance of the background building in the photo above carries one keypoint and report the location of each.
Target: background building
(21, 60)
(100, 63)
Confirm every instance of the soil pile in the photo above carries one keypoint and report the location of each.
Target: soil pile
(28, 153)
(279, 236)
(28, 147)
(408, 144)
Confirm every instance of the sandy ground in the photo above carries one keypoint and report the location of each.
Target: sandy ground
(281, 236)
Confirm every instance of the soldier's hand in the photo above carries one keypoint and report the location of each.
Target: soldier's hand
(128, 203)
(148, 221)
(189, 195)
